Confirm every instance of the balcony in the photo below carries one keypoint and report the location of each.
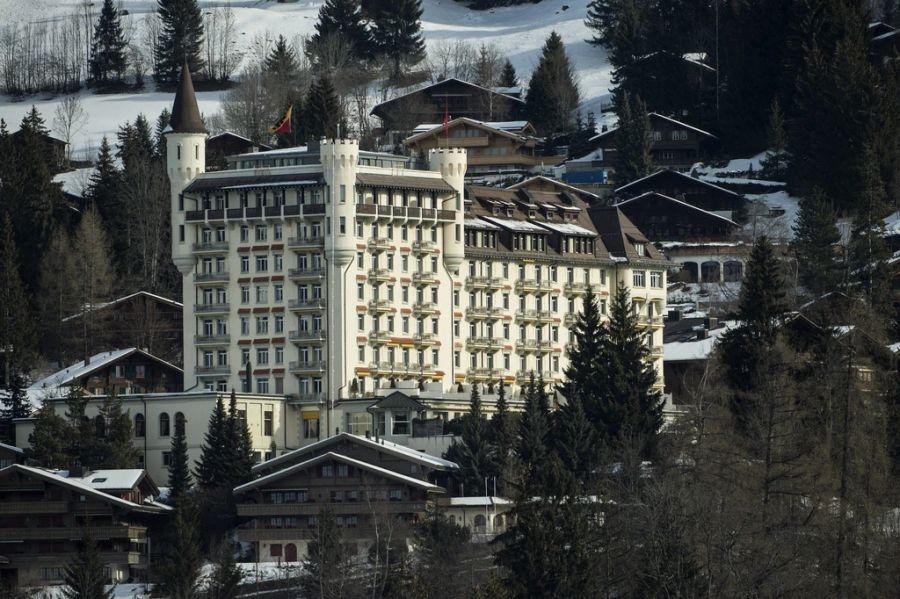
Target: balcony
(380, 275)
(316, 336)
(425, 278)
(523, 377)
(381, 306)
(306, 398)
(307, 367)
(570, 319)
(484, 283)
(210, 277)
(575, 289)
(210, 247)
(533, 345)
(380, 244)
(546, 316)
(424, 340)
(657, 352)
(655, 322)
(251, 535)
(312, 509)
(210, 370)
(381, 368)
(307, 305)
(484, 374)
(74, 533)
(424, 247)
(424, 308)
(306, 274)
(526, 315)
(379, 337)
(484, 344)
(211, 308)
(305, 243)
(212, 339)
(34, 507)
(483, 313)
(421, 370)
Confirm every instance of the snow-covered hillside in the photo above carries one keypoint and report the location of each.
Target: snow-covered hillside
(518, 31)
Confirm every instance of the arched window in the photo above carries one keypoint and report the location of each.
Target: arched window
(139, 429)
(100, 426)
(164, 425)
(179, 423)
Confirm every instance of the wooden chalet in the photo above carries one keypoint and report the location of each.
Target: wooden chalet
(454, 97)
(55, 149)
(663, 218)
(220, 146)
(691, 190)
(542, 183)
(365, 482)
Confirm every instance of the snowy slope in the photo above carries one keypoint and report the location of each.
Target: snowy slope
(518, 31)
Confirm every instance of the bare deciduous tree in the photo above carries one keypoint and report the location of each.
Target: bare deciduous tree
(70, 118)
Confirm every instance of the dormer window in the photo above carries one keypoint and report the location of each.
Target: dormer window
(639, 249)
(531, 214)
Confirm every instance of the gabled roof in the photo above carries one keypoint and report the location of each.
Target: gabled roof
(234, 135)
(67, 376)
(619, 234)
(12, 448)
(185, 112)
(397, 401)
(672, 172)
(437, 129)
(115, 480)
(654, 194)
(328, 456)
(394, 449)
(656, 115)
(444, 82)
(403, 182)
(78, 486)
(146, 294)
(555, 183)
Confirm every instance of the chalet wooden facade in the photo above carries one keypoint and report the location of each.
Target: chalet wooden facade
(663, 218)
(218, 147)
(453, 97)
(691, 190)
(366, 483)
(45, 516)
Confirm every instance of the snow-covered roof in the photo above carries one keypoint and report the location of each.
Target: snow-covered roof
(477, 223)
(12, 448)
(76, 484)
(57, 382)
(568, 229)
(107, 480)
(697, 349)
(885, 36)
(441, 82)
(589, 157)
(515, 225)
(504, 129)
(330, 455)
(514, 90)
(892, 224)
(682, 124)
(382, 444)
(502, 125)
(275, 152)
(74, 183)
(675, 201)
(125, 298)
(552, 182)
(479, 501)
(702, 181)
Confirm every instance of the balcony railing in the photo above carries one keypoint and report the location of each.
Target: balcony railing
(425, 278)
(423, 247)
(306, 398)
(380, 275)
(524, 376)
(306, 305)
(484, 374)
(657, 351)
(306, 336)
(210, 277)
(211, 246)
(300, 243)
(213, 370)
(480, 282)
(210, 308)
(309, 366)
(533, 345)
(34, 507)
(312, 508)
(379, 337)
(380, 244)
(483, 313)
(306, 273)
(424, 308)
(424, 339)
(75, 533)
(484, 343)
(575, 288)
(570, 319)
(212, 339)
(379, 306)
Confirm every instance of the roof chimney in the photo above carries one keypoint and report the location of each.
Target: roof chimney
(185, 112)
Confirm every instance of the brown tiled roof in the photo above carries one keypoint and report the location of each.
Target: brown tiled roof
(619, 234)
(403, 182)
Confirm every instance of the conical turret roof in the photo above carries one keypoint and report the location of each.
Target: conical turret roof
(185, 113)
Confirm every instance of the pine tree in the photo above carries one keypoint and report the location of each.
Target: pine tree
(117, 446)
(632, 141)
(553, 93)
(50, 440)
(532, 445)
(282, 60)
(238, 446)
(103, 187)
(508, 76)
(83, 447)
(582, 383)
(108, 62)
(575, 441)
(327, 565)
(397, 32)
(815, 242)
(181, 39)
(472, 452)
(94, 278)
(502, 435)
(226, 576)
(342, 19)
(868, 252)
(211, 466)
(17, 327)
(775, 162)
(179, 466)
(182, 562)
(322, 110)
(85, 577)
(57, 295)
(162, 122)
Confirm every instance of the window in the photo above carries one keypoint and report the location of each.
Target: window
(262, 324)
(278, 262)
(395, 495)
(245, 263)
(245, 325)
(278, 232)
(359, 260)
(639, 249)
(262, 355)
(656, 279)
(245, 294)
(262, 263)
(262, 294)
(261, 232)
(167, 458)
(179, 423)
(401, 423)
(279, 323)
(279, 292)
(262, 385)
(139, 428)
(268, 423)
(638, 278)
(360, 291)
(164, 425)
(245, 233)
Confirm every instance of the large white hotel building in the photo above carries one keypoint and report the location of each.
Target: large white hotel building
(328, 272)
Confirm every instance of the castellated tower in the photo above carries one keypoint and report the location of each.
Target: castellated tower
(185, 159)
(339, 158)
(451, 163)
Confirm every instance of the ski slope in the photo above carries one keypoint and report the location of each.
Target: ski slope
(518, 31)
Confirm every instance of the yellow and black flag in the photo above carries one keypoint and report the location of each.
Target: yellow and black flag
(284, 125)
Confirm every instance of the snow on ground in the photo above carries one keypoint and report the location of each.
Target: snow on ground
(696, 349)
(773, 214)
(75, 182)
(696, 299)
(518, 31)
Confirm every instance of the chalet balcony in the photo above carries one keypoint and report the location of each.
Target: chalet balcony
(316, 336)
(74, 533)
(212, 339)
(491, 344)
(307, 305)
(424, 309)
(306, 274)
(211, 308)
(210, 247)
(306, 243)
(380, 275)
(379, 337)
(425, 278)
(381, 306)
(484, 374)
(523, 377)
(424, 340)
(34, 507)
(380, 244)
(312, 509)
(305, 399)
(251, 535)
(211, 277)
(212, 370)
(307, 367)
(575, 289)
(424, 247)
